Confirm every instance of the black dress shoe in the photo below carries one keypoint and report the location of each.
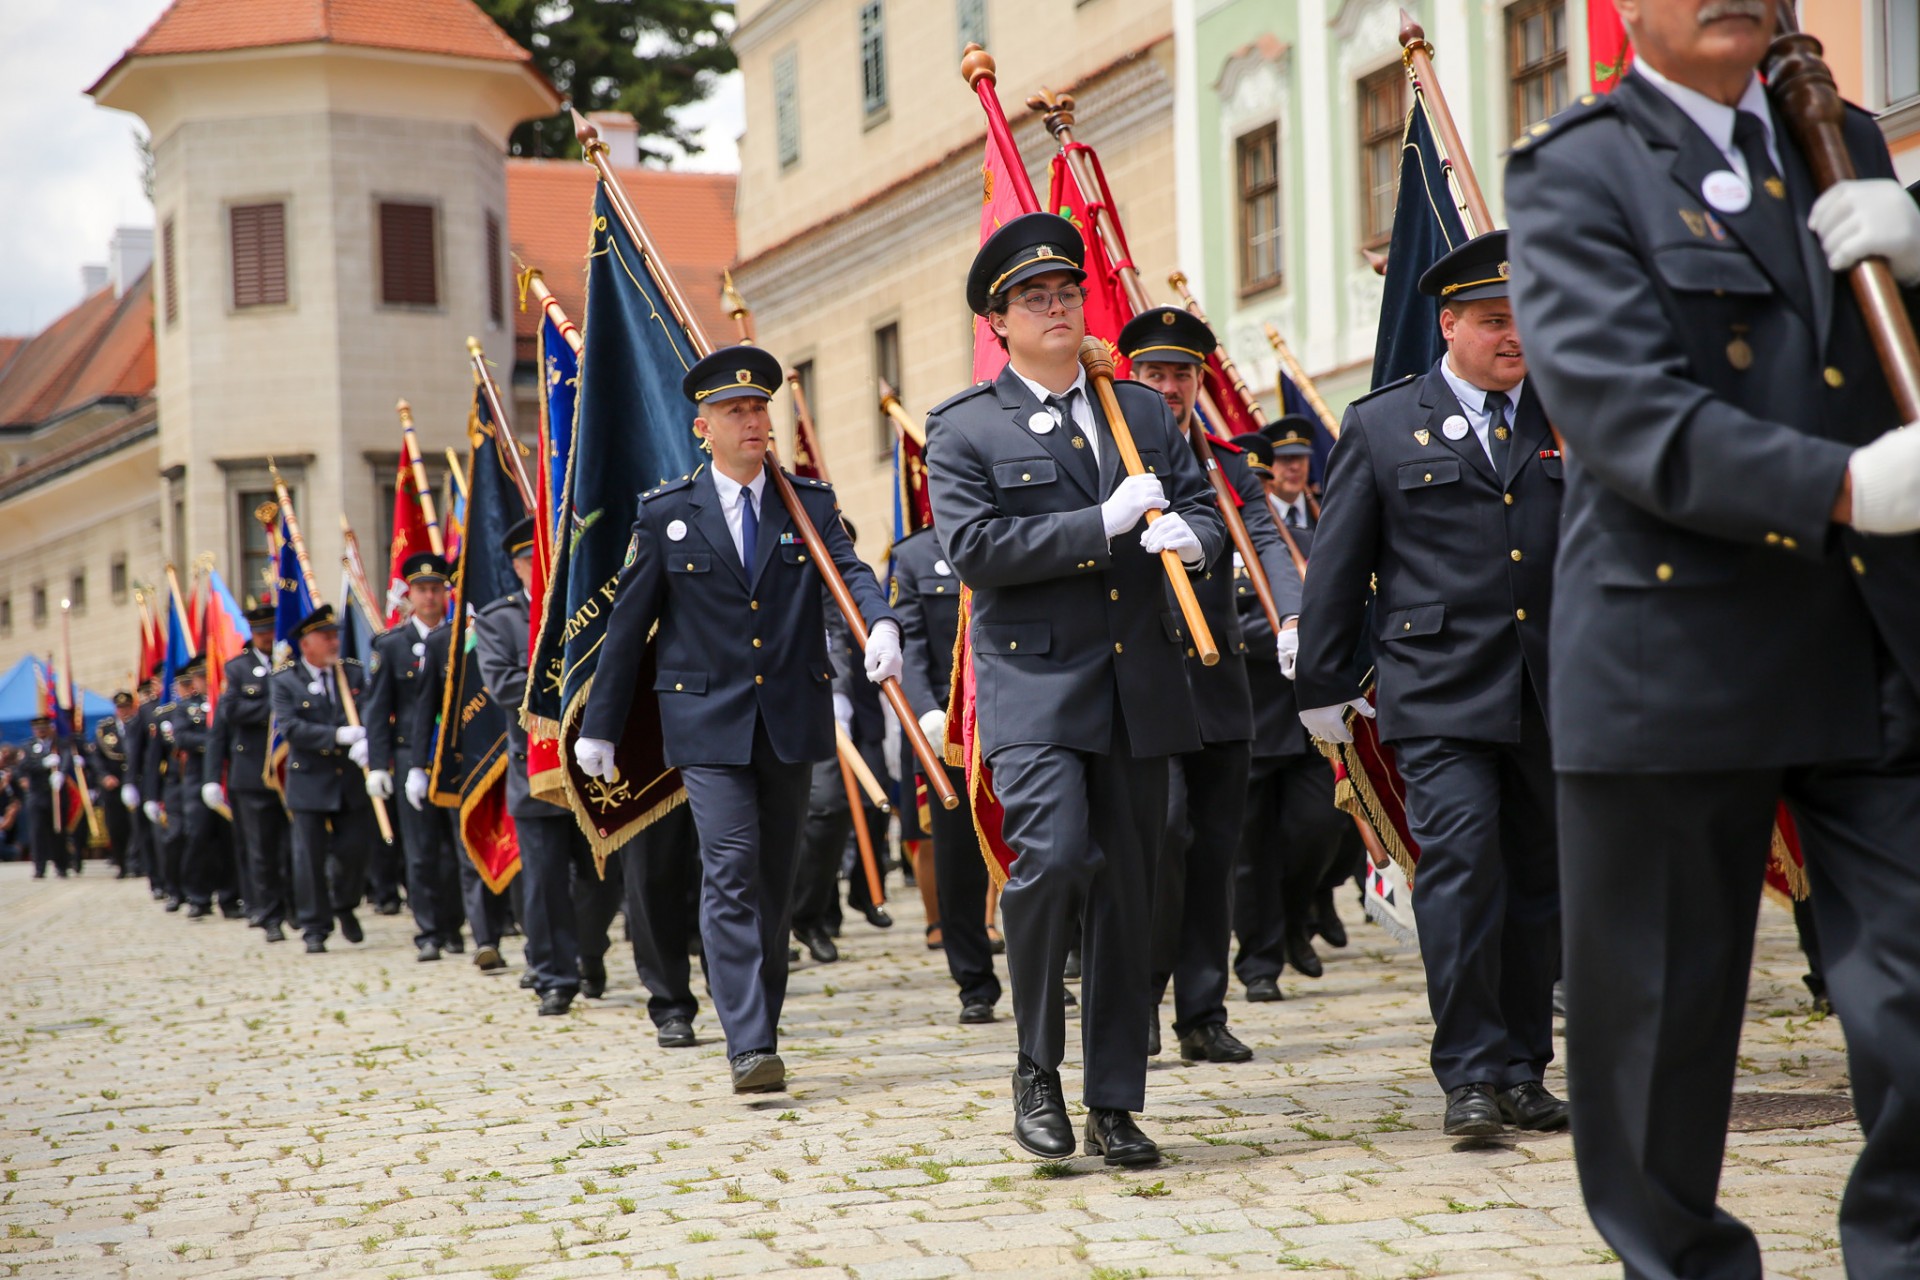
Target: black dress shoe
(1071, 1003)
(996, 943)
(275, 933)
(676, 1033)
(316, 945)
(1114, 1135)
(1473, 1112)
(159, 895)
(1300, 954)
(387, 909)
(454, 944)
(1560, 998)
(1264, 989)
(1153, 1038)
(1072, 970)
(758, 1071)
(1213, 1043)
(593, 978)
(975, 1012)
(877, 917)
(1040, 1122)
(173, 904)
(350, 928)
(487, 959)
(428, 950)
(232, 910)
(198, 911)
(818, 944)
(1327, 921)
(555, 1002)
(936, 937)
(529, 980)
(1530, 1106)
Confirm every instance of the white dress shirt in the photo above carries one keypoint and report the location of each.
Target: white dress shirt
(1716, 118)
(1473, 402)
(321, 681)
(1298, 506)
(1082, 407)
(729, 490)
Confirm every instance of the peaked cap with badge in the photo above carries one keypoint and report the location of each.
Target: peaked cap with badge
(518, 539)
(425, 566)
(1167, 335)
(1477, 269)
(1291, 435)
(1033, 244)
(732, 372)
(321, 619)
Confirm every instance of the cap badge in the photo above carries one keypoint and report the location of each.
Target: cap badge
(1166, 317)
(743, 375)
(676, 530)
(1454, 428)
(1503, 271)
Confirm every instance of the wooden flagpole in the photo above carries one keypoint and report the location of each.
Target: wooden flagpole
(410, 446)
(503, 437)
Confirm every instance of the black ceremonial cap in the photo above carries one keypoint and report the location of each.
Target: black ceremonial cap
(41, 719)
(195, 665)
(261, 616)
(1477, 269)
(1257, 449)
(519, 538)
(320, 619)
(123, 699)
(1031, 245)
(1171, 335)
(731, 372)
(1291, 434)
(425, 567)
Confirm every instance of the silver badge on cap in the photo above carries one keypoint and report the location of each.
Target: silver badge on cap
(1454, 428)
(942, 568)
(1041, 423)
(676, 530)
(1726, 191)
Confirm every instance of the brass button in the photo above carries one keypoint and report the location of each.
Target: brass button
(1859, 565)
(801, 559)
(1207, 577)
(1113, 595)
(1507, 498)
(689, 566)
(1013, 644)
(759, 679)
(1190, 652)
(1773, 539)
(1118, 647)
(678, 687)
(1427, 478)
(1406, 626)
(1664, 573)
(1520, 614)
(1026, 475)
(1835, 378)
(1791, 544)
(1515, 553)
(753, 604)
(756, 642)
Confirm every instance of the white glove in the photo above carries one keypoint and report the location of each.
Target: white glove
(1171, 533)
(417, 787)
(357, 752)
(152, 810)
(56, 780)
(595, 758)
(348, 734)
(883, 652)
(1886, 483)
(1329, 724)
(1869, 218)
(843, 712)
(213, 795)
(1132, 498)
(53, 762)
(379, 784)
(1289, 650)
(934, 725)
(130, 797)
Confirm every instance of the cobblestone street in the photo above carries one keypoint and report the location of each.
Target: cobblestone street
(180, 1099)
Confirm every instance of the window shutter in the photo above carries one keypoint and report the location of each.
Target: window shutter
(496, 295)
(407, 275)
(170, 296)
(259, 236)
(786, 106)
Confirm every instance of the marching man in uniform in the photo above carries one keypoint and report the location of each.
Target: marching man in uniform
(1082, 684)
(745, 687)
(1445, 488)
(239, 748)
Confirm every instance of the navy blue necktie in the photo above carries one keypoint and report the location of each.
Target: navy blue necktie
(749, 528)
(1499, 436)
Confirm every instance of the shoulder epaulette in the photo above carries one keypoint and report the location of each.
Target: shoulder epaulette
(285, 664)
(1587, 107)
(669, 486)
(349, 662)
(977, 388)
(166, 707)
(914, 537)
(1379, 391)
(809, 482)
(498, 603)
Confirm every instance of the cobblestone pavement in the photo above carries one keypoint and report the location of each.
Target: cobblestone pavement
(179, 1099)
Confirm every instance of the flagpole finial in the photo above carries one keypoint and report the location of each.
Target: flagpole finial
(1056, 110)
(404, 407)
(65, 604)
(473, 348)
(1411, 32)
(976, 64)
(1177, 280)
(586, 133)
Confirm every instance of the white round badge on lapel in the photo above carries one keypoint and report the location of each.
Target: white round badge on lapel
(1726, 191)
(1041, 423)
(942, 568)
(314, 687)
(419, 648)
(1454, 428)
(676, 530)
(259, 671)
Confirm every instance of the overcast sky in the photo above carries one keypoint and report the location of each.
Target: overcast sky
(69, 173)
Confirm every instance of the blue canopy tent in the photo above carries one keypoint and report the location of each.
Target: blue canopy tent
(20, 700)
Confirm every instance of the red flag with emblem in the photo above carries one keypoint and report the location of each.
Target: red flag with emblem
(410, 537)
(1107, 308)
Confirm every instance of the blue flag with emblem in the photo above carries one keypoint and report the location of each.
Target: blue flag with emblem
(1426, 226)
(292, 602)
(562, 385)
(631, 432)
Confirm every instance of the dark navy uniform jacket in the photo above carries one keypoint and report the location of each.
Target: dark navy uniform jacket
(500, 643)
(182, 726)
(110, 751)
(1711, 385)
(238, 742)
(1463, 559)
(1277, 730)
(394, 686)
(320, 776)
(735, 647)
(926, 595)
(1066, 625)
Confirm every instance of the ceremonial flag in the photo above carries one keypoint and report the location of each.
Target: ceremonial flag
(561, 382)
(1001, 178)
(410, 538)
(356, 633)
(227, 633)
(1609, 51)
(962, 751)
(912, 504)
(630, 433)
(1426, 226)
(456, 507)
(292, 603)
(179, 646)
(1107, 310)
(151, 650)
(469, 769)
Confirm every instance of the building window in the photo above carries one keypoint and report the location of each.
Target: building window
(1536, 60)
(496, 277)
(971, 17)
(170, 295)
(886, 367)
(77, 590)
(873, 58)
(256, 565)
(117, 577)
(6, 615)
(259, 240)
(1902, 70)
(786, 107)
(39, 604)
(1260, 231)
(1383, 119)
(407, 260)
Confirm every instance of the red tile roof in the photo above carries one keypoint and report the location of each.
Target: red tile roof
(103, 347)
(689, 215)
(456, 28)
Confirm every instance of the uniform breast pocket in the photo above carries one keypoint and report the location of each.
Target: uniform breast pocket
(1154, 461)
(1014, 638)
(690, 562)
(1430, 474)
(1027, 473)
(936, 586)
(680, 681)
(1553, 468)
(1411, 624)
(794, 552)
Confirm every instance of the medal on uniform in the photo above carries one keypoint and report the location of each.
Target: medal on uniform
(1423, 435)
(1726, 191)
(1041, 423)
(942, 568)
(676, 530)
(1454, 428)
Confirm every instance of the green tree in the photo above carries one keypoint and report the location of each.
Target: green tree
(643, 57)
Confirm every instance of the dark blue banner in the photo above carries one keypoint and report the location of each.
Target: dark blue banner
(1426, 226)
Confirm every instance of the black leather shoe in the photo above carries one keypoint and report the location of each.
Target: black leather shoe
(428, 951)
(388, 908)
(528, 980)
(975, 1012)
(1040, 1111)
(1327, 921)
(159, 895)
(316, 945)
(1264, 989)
(818, 944)
(231, 911)
(1071, 1003)
(1473, 1112)
(1114, 1135)
(996, 943)
(676, 1033)
(198, 911)
(1300, 954)
(173, 904)
(1530, 1106)
(1153, 1038)
(555, 1002)
(350, 928)
(275, 933)
(757, 1071)
(1560, 999)
(1072, 971)
(454, 944)
(1213, 1043)
(593, 978)
(878, 917)
(487, 959)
